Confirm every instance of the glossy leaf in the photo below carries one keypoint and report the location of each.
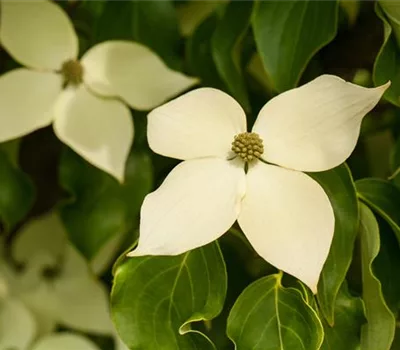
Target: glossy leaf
(152, 23)
(349, 316)
(100, 208)
(156, 298)
(339, 186)
(387, 62)
(384, 198)
(268, 316)
(16, 193)
(379, 331)
(289, 33)
(226, 48)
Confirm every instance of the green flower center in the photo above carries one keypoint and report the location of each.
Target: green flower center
(248, 146)
(72, 71)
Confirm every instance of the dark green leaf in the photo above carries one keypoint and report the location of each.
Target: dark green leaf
(199, 54)
(268, 316)
(289, 33)
(226, 48)
(152, 23)
(395, 163)
(384, 198)
(100, 207)
(378, 332)
(156, 298)
(349, 316)
(339, 186)
(16, 193)
(387, 62)
(387, 261)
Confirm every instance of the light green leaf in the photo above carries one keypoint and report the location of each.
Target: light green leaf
(17, 193)
(226, 48)
(387, 62)
(289, 33)
(268, 316)
(349, 316)
(152, 23)
(379, 331)
(100, 208)
(156, 298)
(339, 186)
(384, 198)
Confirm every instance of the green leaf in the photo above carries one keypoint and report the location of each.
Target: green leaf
(289, 33)
(339, 186)
(226, 48)
(387, 261)
(100, 207)
(387, 62)
(199, 54)
(392, 10)
(379, 331)
(384, 198)
(152, 23)
(349, 316)
(268, 316)
(156, 298)
(395, 163)
(17, 193)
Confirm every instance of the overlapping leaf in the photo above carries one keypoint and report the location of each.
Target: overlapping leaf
(383, 197)
(289, 33)
(156, 298)
(378, 332)
(387, 62)
(226, 51)
(339, 186)
(268, 316)
(349, 316)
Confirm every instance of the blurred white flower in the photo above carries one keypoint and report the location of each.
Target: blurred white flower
(64, 341)
(82, 98)
(284, 213)
(55, 287)
(17, 324)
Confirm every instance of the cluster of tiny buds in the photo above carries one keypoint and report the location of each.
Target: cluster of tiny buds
(72, 72)
(248, 146)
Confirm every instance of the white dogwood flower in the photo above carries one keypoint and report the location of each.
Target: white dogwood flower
(82, 98)
(284, 213)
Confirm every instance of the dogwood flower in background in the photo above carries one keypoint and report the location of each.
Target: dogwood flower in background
(55, 287)
(284, 213)
(70, 93)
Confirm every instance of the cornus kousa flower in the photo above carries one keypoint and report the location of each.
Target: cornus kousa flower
(82, 98)
(253, 177)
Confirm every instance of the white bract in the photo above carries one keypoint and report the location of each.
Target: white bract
(284, 213)
(81, 98)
